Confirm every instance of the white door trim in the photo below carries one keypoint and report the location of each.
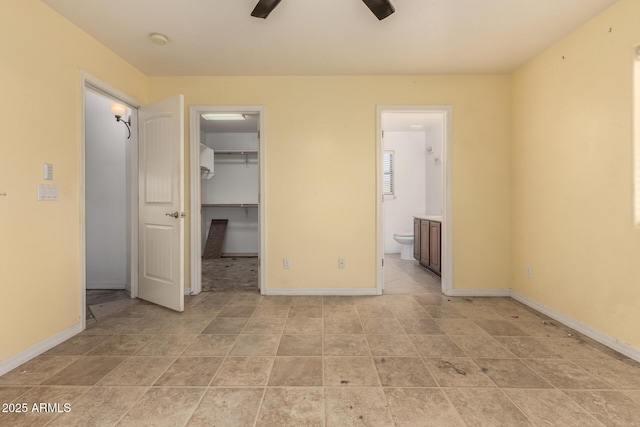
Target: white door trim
(196, 221)
(447, 216)
(89, 81)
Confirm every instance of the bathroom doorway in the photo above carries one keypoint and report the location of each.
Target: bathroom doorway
(109, 201)
(226, 187)
(414, 166)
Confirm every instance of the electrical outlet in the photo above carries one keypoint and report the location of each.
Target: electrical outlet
(529, 272)
(341, 263)
(286, 263)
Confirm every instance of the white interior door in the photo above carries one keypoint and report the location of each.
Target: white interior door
(161, 203)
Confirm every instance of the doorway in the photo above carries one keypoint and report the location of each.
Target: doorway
(108, 201)
(155, 242)
(227, 183)
(414, 183)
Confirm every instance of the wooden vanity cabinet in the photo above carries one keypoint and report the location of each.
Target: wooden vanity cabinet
(427, 243)
(435, 234)
(416, 239)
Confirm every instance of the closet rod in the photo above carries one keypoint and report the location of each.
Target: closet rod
(239, 153)
(229, 205)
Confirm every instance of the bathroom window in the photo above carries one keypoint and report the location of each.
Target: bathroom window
(636, 139)
(387, 173)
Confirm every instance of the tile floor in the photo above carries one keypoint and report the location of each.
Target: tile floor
(417, 359)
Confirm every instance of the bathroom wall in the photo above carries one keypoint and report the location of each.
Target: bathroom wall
(107, 196)
(409, 184)
(433, 170)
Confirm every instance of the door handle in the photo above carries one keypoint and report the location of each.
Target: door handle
(176, 214)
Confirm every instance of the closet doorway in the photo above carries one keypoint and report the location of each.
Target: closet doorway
(226, 204)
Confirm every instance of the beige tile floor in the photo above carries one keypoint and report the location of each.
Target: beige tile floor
(403, 359)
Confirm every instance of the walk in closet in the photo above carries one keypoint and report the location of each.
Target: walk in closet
(229, 197)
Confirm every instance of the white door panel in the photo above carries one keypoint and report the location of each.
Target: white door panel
(161, 257)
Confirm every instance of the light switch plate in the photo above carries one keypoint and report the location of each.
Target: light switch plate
(48, 171)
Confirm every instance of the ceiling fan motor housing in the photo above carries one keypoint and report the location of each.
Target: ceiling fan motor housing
(380, 8)
(264, 8)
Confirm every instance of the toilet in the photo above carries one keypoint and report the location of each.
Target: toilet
(406, 244)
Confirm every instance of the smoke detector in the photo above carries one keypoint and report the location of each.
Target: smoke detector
(158, 39)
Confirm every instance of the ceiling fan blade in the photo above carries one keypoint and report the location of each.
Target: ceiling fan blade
(264, 8)
(380, 8)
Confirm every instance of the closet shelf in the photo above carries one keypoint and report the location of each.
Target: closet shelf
(244, 153)
(236, 152)
(229, 205)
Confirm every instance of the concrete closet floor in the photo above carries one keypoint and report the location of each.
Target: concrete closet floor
(413, 359)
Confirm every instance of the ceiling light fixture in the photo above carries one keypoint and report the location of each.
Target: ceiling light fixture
(118, 110)
(158, 39)
(264, 8)
(380, 8)
(224, 116)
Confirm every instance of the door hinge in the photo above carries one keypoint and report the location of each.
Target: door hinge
(382, 134)
(383, 262)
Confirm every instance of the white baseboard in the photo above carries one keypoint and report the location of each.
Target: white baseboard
(320, 291)
(35, 350)
(187, 291)
(497, 292)
(583, 328)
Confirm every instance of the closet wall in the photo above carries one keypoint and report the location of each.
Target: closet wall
(235, 182)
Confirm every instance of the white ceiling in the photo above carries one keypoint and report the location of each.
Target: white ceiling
(329, 37)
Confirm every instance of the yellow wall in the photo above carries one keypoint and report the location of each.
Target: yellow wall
(41, 58)
(541, 171)
(572, 182)
(321, 169)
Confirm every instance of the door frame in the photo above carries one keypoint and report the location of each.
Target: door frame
(195, 217)
(93, 83)
(447, 191)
